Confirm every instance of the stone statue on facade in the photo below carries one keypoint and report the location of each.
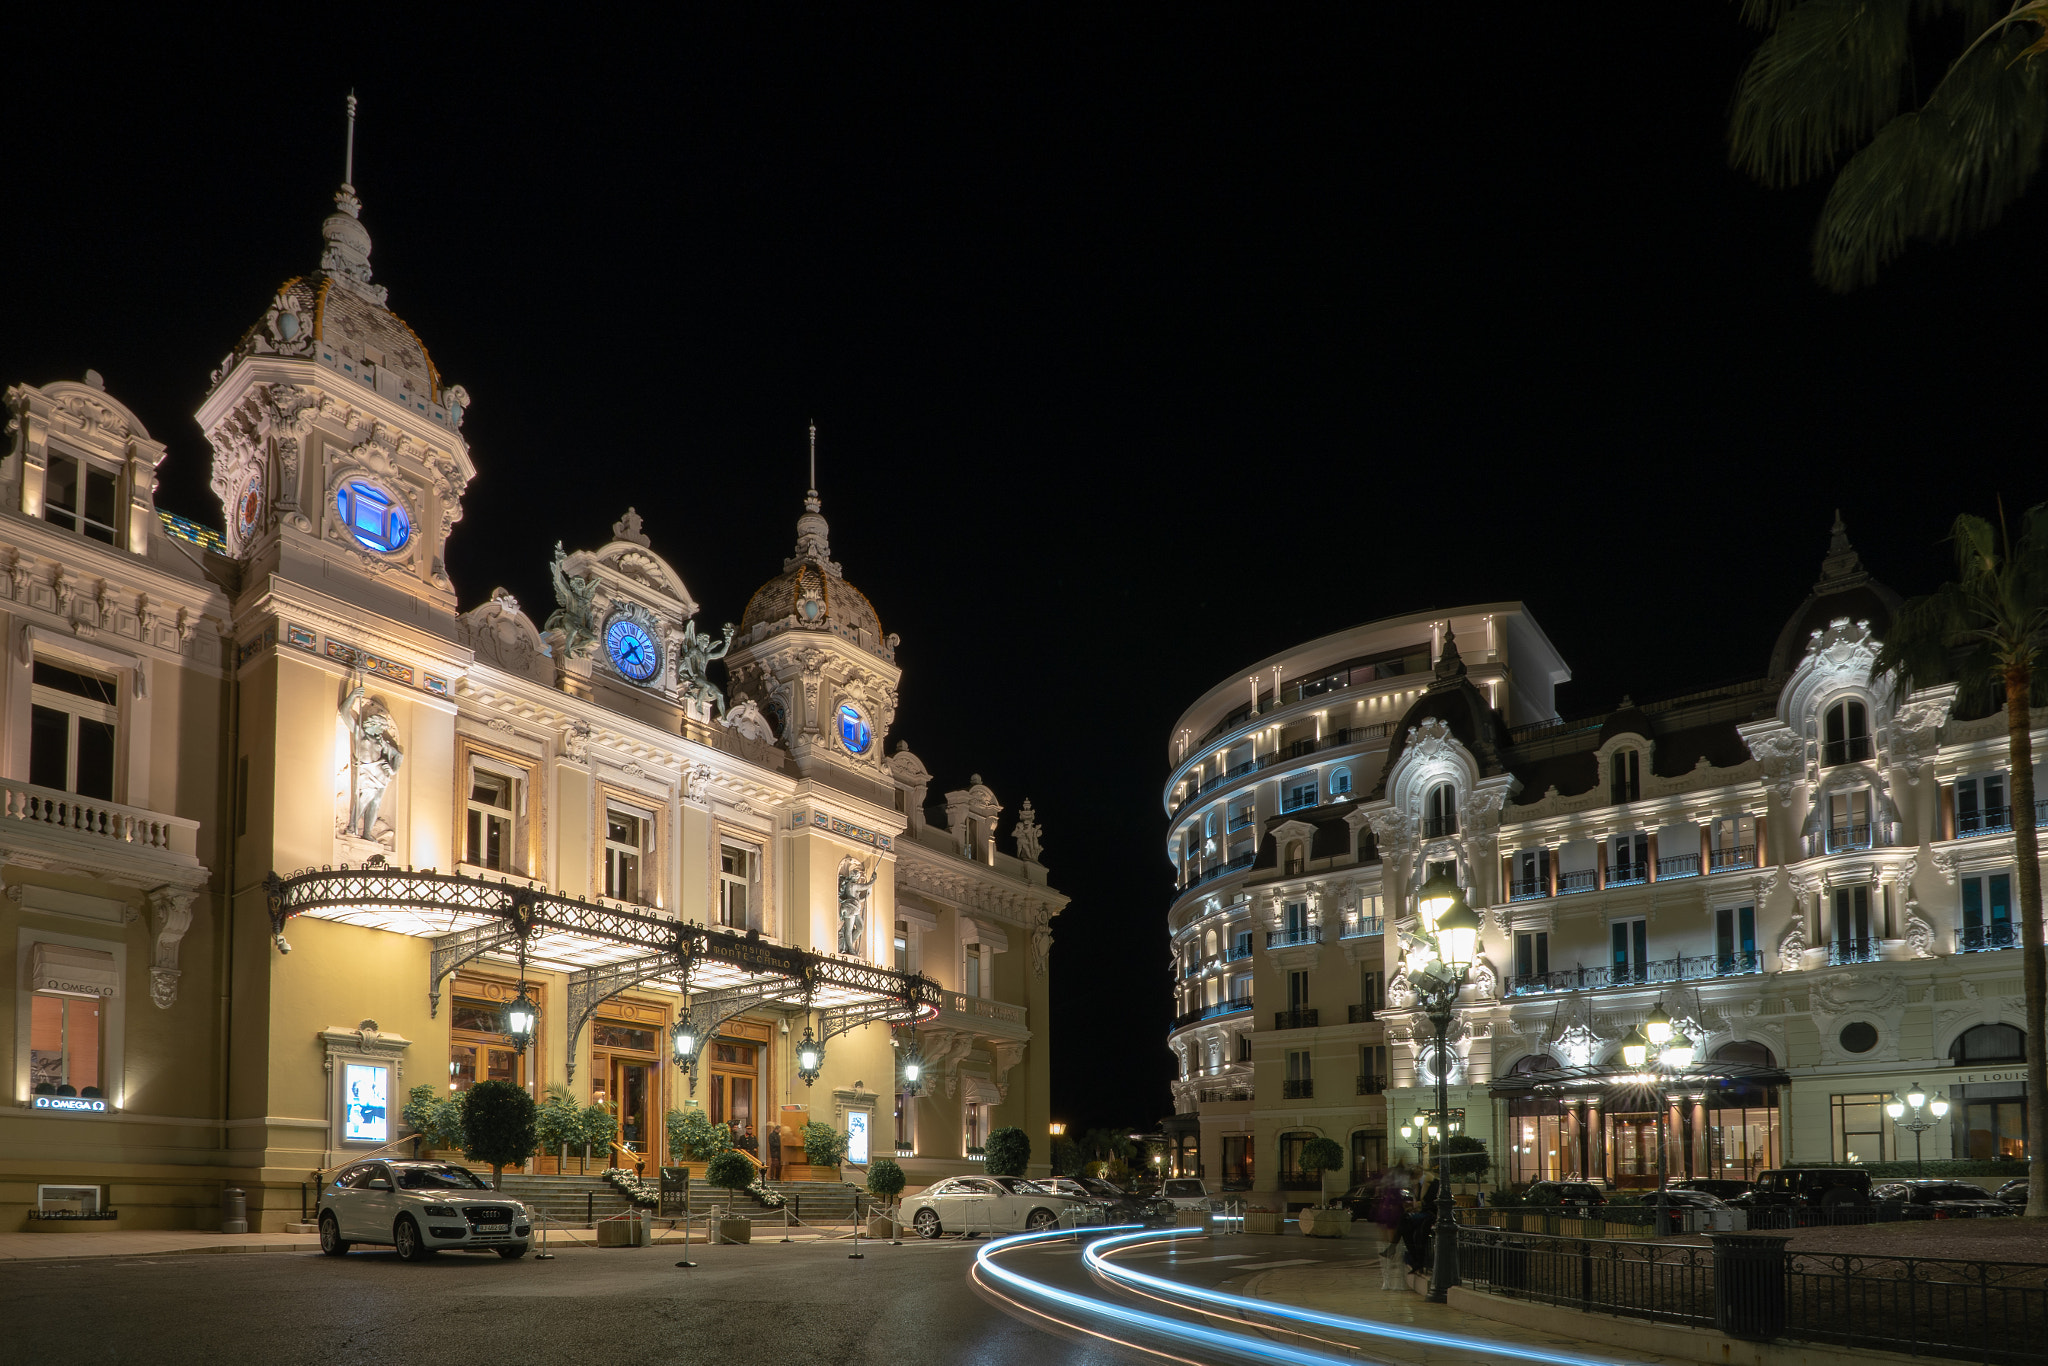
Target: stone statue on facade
(374, 757)
(746, 719)
(855, 879)
(576, 618)
(694, 654)
(1027, 834)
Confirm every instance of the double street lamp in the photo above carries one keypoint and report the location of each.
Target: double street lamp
(1667, 1050)
(1925, 1114)
(1438, 959)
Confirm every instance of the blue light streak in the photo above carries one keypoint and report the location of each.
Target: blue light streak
(1172, 1329)
(1092, 1254)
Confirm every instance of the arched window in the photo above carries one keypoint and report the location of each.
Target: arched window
(1989, 1117)
(1532, 1063)
(1627, 782)
(1209, 942)
(1747, 1053)
(1340, 782)
(1989, 1043)
(1297, 857)
(1847, 734)
(1440, 816)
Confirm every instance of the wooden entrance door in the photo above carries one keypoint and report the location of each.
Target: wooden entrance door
(626, 1069)
(735, 1077)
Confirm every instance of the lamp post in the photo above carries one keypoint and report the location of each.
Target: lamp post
(1438, 959)
(1656, 1043)
(1925, 1114)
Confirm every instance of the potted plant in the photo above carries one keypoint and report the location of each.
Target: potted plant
(1007, 1152)
(1259, 1219)
(1320, 1156)
(885, 1183)
(596, 1126)
(824, 1147)
(498, 1126)
(731, 1172)
(435, 1119)
(558, 1126)
(693, 1140)
(1465, 1161)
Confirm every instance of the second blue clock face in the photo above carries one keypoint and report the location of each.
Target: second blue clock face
(633, 651)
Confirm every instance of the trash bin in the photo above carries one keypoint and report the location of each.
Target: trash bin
(1749, 1284)
(234, 1211)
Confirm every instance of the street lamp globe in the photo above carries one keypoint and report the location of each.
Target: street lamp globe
(1436, 897)
(1658, 1027)
(1678, 1053)
(522, 1020)
(810, 1057)
(1635, 1048)
(1457, 934)
(685, 1043)
(1938, 1108)
(1916, 1097)
(1895, 1107)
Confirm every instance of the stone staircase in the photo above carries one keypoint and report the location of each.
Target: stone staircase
(571, 1200)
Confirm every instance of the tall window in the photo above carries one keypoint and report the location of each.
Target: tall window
(1628, 858)
(64, 1044)
(1981, 806)
(974, 1125)
(1859, 1127)
(625, 846)
(1294, 920)
(970, 970)
(1297, 858)
(1630, 942)
(1627, 782)
(1297, 990)
(1532, 873)
(491, 806)
(1441, 811)
(1372, 1068)
(1987, 913)
(1733, 842)
(1532, 954)
(901, 944)
(1300, 791)
(1372, 990)
(1300, 1077)
(1735, 939)
(1853, 942)
(1850, 819)
(79, 497)
(735, 878)
(1847, 731)
(906, 1124)
(1340, 782)
(1244, 1048)
(1990, 1116)
(71, 731)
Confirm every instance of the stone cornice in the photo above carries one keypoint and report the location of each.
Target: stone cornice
(972, 886)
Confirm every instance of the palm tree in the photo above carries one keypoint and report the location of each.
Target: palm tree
(1987, 630)
(1833, 89)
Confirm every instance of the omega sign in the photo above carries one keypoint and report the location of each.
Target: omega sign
(79, 1103)
(49, 983)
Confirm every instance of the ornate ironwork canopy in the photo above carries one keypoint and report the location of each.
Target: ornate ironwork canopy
(606, 949)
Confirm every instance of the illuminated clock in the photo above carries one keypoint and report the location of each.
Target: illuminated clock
(633, 651)
(854, 731)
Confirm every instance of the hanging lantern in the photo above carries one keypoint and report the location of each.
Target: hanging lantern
(684, 1040)
(521, 1020)
(1658, 1027)
(913, 1069)
(810, 1056)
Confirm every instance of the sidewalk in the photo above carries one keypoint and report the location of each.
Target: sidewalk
(17, 1247)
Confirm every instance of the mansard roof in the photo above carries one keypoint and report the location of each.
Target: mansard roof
(1845, 589)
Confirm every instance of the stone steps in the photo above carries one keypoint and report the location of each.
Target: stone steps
(573, 1200)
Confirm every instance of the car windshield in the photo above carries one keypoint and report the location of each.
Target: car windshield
(439, 1179)
(1949, 1193)
(1099, 1186)
(1184, 1189)
(1017, 1185)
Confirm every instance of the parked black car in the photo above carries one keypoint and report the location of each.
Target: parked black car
(1583, 1194)
(1714, 1186)
(1935, 1199)
(1808, 1188)
(1678, 1200)
(2013, 1192)
(1120, 1205)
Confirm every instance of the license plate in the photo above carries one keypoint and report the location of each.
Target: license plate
(494, 1228)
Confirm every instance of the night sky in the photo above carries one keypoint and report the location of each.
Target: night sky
(1139, 346)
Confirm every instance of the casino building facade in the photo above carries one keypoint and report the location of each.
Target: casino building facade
(286, 828)
(1811, 872)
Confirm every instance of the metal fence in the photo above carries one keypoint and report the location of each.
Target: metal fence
(1749, 1286)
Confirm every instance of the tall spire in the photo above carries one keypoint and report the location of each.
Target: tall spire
(347, 256)
(812, 534)
(811, 502)
(1842, 566)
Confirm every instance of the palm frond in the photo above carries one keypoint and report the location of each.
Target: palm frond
(1765, 14)
(1948, 170)
(1830, 74)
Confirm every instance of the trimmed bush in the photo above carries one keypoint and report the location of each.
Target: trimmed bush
(498, 1124)
(1465, 1158)
(1008, 1151)
(824, 1146)
(559, 1123)
(692, 1135)
(885, 1179)
(730, 1171)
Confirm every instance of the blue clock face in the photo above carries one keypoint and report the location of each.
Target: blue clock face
(633, 651)
(853, 729)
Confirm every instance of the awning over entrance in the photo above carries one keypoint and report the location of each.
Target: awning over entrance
(606, 949)
(1598, 1079)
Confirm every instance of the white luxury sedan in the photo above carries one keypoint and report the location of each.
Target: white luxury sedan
(419, 1208)
(990, 1204)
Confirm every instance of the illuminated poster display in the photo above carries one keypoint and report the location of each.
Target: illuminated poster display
(363, 1094)
(857, 1138)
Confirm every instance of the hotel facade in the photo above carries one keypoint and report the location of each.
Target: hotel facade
(286, 828)
(1811, 872)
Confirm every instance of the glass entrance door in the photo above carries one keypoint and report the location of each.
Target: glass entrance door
(1635, 1150)
(632, 1092)
(733, 1078)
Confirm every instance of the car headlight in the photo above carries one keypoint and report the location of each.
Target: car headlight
(443, 1209)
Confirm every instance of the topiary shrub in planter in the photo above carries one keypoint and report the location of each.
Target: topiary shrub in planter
(498, 1126)
(1319, 1156)
(731, 1172)
(597, 1127)
(824, 1146)
(1007, 1152)
(1465, 1158)
(885, 1183)
(692, 1137)
(434, 1118)
(558, 1125)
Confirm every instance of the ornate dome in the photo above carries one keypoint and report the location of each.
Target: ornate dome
(811, 594)
(1846, 589)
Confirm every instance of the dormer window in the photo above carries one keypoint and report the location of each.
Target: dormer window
(375, 520)
(1626, 784)
(79, 497)
(1441, 811)
(1848, 734)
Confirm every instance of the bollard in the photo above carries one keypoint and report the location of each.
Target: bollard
(686, 1241)
(234, 1211)
(1749, 1284)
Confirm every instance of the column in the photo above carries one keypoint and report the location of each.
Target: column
(1763, 825)
(1600, 862)
(1551, 851)
(1653, 856)
(1706, 847)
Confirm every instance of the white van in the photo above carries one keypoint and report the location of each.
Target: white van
(1184, 1192)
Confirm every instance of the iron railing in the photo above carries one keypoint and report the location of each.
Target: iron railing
(1678, 865)
(1371, 1086)
(1434, 827)
(1842, 837)
(1655, 972)
(1627, 874)
(1845, 951)
(1307, 934)
(1210, 1012)
(1581, 880)
(1360, 927)
(1343, 735)
(1982, 938)
(1994, 820)
(1726, 860)
(1236, 865)
(1297, 1088)
(1852, 751)
(1301, 1017)
(1362, 1014)
(1528, 888)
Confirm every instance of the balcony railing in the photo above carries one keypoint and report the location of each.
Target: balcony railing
(1296, 1181)
(1723, 860)
(1297, 1088)
(1307, 934)
(1994, 820)
(1656, 971)
(1360, 927)
(1371, 1086)
(1627, 874)
(1528, 888)
(1984, 938)
(1362, 1014)
(1300, 749)
(1236, 865)
(1434, 827)
(1580, 881)
(96, 824)
(1210, 1012)
(1222, 1094)
(1301, 1017)
(1238, 823)
(1853, 751)
(1842, 837)
(1678, 865)
(1191, 970)
(1238, 953)
(1843, 951)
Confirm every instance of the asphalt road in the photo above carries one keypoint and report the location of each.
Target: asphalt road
(807, 1303)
